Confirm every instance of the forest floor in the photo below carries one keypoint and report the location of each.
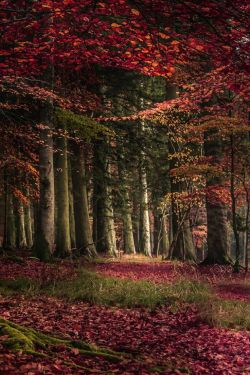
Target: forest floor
(142, 317)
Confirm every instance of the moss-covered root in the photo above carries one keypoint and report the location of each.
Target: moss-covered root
(28, 340)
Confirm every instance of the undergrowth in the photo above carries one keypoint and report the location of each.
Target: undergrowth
(91, 287)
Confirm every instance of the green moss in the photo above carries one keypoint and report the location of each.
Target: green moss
(19, 338)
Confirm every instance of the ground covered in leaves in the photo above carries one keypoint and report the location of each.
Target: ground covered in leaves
(147, 341)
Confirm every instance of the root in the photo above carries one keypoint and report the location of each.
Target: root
(28, 340)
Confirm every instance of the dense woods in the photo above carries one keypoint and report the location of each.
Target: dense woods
(124, 143)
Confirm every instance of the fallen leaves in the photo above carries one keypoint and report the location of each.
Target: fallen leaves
(158, 342)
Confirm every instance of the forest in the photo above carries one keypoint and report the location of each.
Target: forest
(124, 187)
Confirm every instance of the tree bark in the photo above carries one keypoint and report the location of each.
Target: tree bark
(9, 241)
(84, 240)
(63, 243)
(103, 223)
(71, 208)
(28, 225)
(45, 233)
(145, 242)
(217, 212)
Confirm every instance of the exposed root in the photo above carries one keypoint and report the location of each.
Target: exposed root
(19, 338)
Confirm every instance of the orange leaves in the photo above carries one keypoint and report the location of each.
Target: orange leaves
(115, 25)
(135, 12)
(164, 36)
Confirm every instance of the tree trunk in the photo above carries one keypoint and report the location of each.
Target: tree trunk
(217, 212)
(28, 225)
(126, 209)
(161, 240)
(84, 240)
(63, 243)
(44, 238)
(71, 208)
(103, 214)
(129, 245)
(182, 246)
(9, 241)
(145, 242)
(20, 225)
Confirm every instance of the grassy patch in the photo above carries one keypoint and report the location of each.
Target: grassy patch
(94, 288)
(22, 285)
(226, 313)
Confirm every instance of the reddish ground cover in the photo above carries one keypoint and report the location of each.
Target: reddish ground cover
(161, 342)
(159, 338)
(11, 269)
(225, 283)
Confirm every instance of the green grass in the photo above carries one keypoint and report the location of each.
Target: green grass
(22, 285)
(226, 313)
(91, 287)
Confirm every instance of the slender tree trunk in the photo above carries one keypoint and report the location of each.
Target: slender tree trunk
(145, 241)
(145, 221)
(84, 240)
(63, 243)
(234, 213)
(44, 239)
(28, 225)
(161, 240)
(71, 208)
(109, 224)
(129, 245)
(20, 225)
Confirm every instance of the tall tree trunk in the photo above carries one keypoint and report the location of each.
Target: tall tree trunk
(217, 212)
(45, 233)
(145, 241)
(145, 221)
(71, 208)
(84, 240)
(63, 243)
(103, 223)
(182, 246)
(126, 209)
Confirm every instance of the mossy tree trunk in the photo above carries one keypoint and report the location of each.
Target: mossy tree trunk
(84, 240)
(63, 243)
